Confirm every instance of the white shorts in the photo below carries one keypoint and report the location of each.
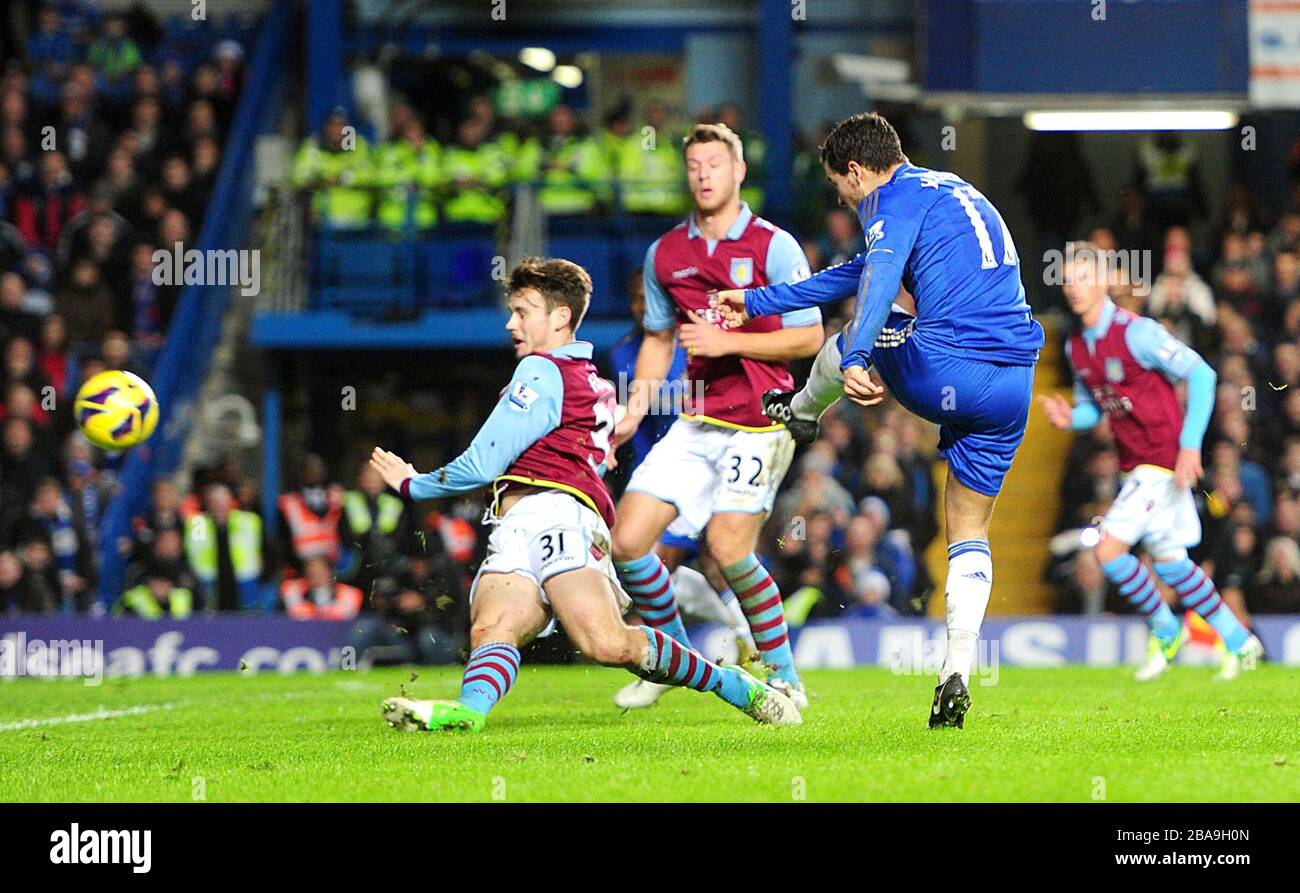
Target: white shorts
(703, 469)
(544, 534)
(1150, 509)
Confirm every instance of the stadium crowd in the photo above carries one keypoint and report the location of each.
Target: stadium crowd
(1234, 296)
(139, 112)
(111, 134)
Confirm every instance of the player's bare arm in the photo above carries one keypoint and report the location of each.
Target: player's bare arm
(653, 362)
(1058, 409)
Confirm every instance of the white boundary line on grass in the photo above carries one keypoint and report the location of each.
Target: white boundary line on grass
(100, 713)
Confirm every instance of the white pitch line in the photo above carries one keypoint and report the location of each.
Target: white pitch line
(101, 713)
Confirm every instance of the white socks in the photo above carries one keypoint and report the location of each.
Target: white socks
(970, 582)
(825, 383)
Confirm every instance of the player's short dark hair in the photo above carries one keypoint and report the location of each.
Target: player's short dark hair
(714, 133)
(868, 139)
(561, 283)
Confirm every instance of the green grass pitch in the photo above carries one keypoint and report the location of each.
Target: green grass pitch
(1068, 734)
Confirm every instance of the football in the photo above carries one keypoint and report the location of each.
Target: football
(116, 410)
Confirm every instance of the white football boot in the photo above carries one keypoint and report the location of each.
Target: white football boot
(641, 693)
(1246, 659)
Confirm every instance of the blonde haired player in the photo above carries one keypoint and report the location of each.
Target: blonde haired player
(717, 470)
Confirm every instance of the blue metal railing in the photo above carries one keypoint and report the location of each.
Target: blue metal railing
(181, 366)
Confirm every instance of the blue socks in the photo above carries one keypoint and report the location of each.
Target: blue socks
(650, 586)
(1136, 585)
(1196, 591)
(491, 670)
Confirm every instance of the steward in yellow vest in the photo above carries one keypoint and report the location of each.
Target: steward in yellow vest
(336, 168)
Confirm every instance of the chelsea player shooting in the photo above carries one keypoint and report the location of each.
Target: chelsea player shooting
(965, 361)
(1125, 367)
(544, 450)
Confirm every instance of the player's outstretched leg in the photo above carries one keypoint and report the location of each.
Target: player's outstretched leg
(507, 613)
(585, 605)
(667, 662)
(1197, 591)
(799, 411)
(489, 675)
(649, 583)
(1134, 582)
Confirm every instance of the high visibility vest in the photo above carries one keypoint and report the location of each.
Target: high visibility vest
(245, 533)
(401, 168)
(345, 605)
(573, 173)
(140, 600)
(358, 512)
(652, 180)
(478, 204)
(347, 199)
(313, 535)
(458, 536)
(1165, 171)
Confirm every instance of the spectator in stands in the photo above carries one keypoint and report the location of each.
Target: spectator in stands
(22, 592)
(476, 171)
(53, 359)
(23, 466)
(617, 126)
(1178, 285)
(146, 298)
(318, 596)
(409, 170)
(50, 513)
(163, 515)
(157, 595)
(1277, 588)
(651, 172)
(335, 167)
(224, 547)
(377, 528)
(843, 238)
(51, 52)
(16, 321)
(86, 305)
(114, 56)
(310, 516)
(178, 188)
(152, 142)
(41, 215)
(861, 580)
(79, 132)
(566, 164)
(205, 164)
(1168, 172)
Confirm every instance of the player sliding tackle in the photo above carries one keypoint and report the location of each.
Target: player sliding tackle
(1124, 366)
(544, 449)
(965, 361)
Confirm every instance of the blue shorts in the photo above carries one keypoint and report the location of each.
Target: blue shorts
(982, 408)
(692, 546)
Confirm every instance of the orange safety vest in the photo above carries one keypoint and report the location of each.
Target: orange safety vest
(458, 535)
(346, 604)
(313, 535)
